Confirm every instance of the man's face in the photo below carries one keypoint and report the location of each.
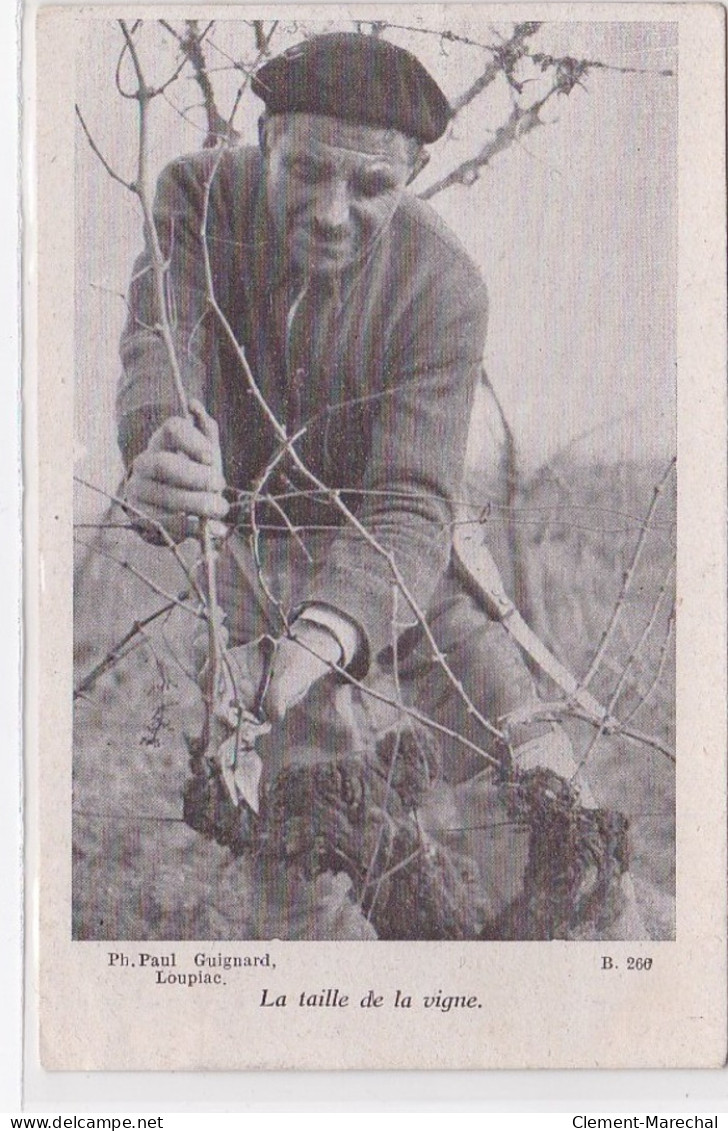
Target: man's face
(332, 186)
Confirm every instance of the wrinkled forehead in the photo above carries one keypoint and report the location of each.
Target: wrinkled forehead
(336, 138)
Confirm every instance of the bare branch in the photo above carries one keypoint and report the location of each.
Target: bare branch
(218, 127)
(129, 95)
(483, 510)
(119, 650)
(104, 526)
(506, 56)
(569, 66)
(410, 712)
(263, 51)
(617, 691)
(390, 872)
(657, 679)
(160, 267)
(521, 582)
(283, 451)
(447, 36)
(558, 710)
(112, 172)
(263, 38)
(125, 300)
(648, 740)
(124, 564)
(273, 502)
(646, 632)
(628, 575)
(158, 527)
(520, 122)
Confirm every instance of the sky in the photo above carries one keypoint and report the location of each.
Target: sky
(573, 228)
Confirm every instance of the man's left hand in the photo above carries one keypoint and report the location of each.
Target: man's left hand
(301, 660)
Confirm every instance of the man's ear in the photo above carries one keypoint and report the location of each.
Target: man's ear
(420, 162)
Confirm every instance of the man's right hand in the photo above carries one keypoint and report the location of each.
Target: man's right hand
(179, 474)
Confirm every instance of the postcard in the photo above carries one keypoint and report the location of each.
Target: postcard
(375, 478)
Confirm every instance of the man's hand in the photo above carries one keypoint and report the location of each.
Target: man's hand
(179, 474)
(300, 662)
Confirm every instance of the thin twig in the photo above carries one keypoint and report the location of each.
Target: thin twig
(273, 502)
(397, 867)
(109, 169)
(159, 263)
(557, 711)
(104, 526)
(128, 95)
(158, 527)
(484, 510)
(646, 632)
(160, 270)
(506, 55)
(262, 53)
(444, 36)
(279, 455)
(118, 653)
(628, 576)
(131, 818)
(411, 712)
(647, 740)
(664, 651)
(191, 47)
(520, 122)
(617, 690)
(567, 62)
(124, 564)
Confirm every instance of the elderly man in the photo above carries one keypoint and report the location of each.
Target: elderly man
(363, 323)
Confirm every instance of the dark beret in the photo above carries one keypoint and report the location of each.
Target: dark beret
(360, 78)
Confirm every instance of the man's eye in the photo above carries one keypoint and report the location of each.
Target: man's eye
(376, 185)
(308, 172)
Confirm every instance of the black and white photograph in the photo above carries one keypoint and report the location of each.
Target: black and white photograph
(376, 466)
(376, 480)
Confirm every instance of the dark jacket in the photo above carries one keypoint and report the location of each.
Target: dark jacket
(378, 364)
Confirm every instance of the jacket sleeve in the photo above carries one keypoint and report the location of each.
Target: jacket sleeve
(146, 393)
(415, 468)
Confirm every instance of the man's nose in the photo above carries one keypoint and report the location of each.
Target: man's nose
(333, 206)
